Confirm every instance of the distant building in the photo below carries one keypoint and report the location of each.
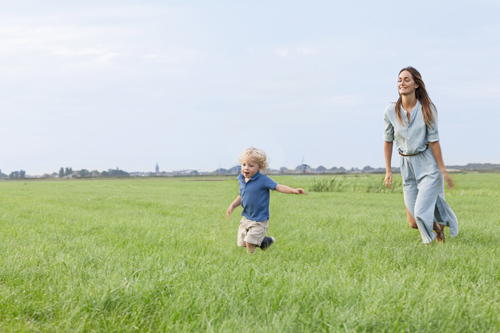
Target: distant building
(157, 168)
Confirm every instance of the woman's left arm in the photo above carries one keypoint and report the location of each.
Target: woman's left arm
(436, 151)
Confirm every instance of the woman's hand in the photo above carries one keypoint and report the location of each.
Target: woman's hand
(436, 151)
(448, 180)
(388, 180)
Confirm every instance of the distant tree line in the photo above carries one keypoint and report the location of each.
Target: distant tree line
(70, 173)
(476, 167)
(84, 173)
(17, 174)
(65, 172)
(303, 168)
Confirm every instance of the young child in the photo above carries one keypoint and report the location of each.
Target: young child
(254, 198)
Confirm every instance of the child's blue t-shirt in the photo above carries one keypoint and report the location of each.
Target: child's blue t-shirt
(255, 196)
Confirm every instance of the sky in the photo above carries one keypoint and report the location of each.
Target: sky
(126, 84)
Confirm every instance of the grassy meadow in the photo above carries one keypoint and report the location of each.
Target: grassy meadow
(157, 254)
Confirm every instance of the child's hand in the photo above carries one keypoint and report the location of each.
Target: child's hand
(233, 205)
(229, 212)
(299, 191)
(288, 190)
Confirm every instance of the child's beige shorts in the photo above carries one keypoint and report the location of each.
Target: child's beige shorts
(251, 231)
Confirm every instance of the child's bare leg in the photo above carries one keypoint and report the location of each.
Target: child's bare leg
(251, 247)
(411, 220)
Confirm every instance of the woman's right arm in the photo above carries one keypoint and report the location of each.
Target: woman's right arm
(388, 143)
(388, 156)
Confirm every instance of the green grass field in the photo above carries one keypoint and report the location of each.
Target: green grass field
(130, 255)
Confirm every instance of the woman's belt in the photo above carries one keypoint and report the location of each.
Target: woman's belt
(416, 153)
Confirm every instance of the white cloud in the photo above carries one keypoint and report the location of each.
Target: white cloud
(107, 57)
(340, 101)
(281, 52)
(306, 50)
(494, 91)
(67, 52)
(175, 55)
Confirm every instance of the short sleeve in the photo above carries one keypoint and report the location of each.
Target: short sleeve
(270, 184)
(388, 127)
(432, 132)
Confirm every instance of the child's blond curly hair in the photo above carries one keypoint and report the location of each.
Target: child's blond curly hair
(256, 155)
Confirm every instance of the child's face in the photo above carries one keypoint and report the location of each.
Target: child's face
(249, 168)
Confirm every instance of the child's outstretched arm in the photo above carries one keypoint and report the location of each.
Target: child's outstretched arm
(288, 190)
(232, 206)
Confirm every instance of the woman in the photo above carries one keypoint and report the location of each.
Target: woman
(412, 123)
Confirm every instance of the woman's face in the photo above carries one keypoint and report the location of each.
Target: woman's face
(406, 84)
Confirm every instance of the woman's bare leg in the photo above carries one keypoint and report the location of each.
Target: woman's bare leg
(411, 220)
(439, 229)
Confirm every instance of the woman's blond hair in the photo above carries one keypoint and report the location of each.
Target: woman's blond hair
(256, 155)
(422, 96)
